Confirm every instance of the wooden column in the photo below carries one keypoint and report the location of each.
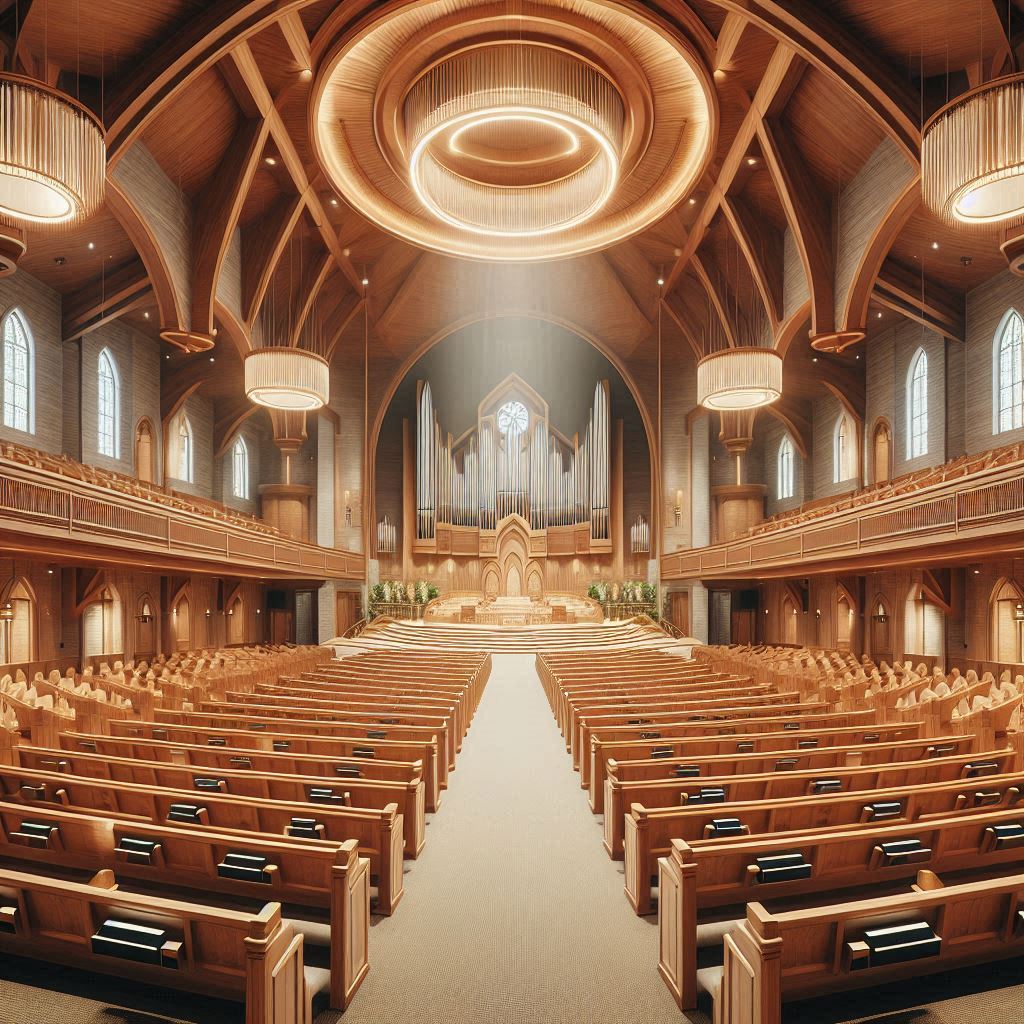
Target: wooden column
(408, 498)
(737, 506)
(615, 527)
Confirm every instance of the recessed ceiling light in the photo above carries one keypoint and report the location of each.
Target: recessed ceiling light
(879, 314)
(167, 356)
(693, 201)
(91, 245)
(366, 281)
(814, 359)
(211, 359)
(334, 200)
(751, 160)
(145, 316)
(270, 161)
(661, 281)
(935, 245)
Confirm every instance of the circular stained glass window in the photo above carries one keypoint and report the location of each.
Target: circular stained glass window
(513, 418)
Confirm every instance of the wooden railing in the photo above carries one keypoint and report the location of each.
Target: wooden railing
(970, 512)
(38, 503)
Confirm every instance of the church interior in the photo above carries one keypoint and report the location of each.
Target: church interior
(512, 510)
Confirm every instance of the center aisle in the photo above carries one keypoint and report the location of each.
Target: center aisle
(513, 912)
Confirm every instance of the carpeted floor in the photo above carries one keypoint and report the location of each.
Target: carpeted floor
(513, 913)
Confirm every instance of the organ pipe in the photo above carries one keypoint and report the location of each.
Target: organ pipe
(488, 475)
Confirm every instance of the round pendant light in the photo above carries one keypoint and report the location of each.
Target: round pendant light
(52, 154)
(972, 155)
(514, 140)
(739, 378)
(285, 378)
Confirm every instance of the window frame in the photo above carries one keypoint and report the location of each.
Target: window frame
(842, 453)
(917, 405)
(240, 453)
(185, 450)
(785, 475)
(10, 420)
(111, 450)
(1011, 319)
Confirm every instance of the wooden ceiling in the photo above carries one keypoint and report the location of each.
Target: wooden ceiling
(217, 208)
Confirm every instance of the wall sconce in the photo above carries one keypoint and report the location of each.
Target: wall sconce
(679, 508)
(348, 509)
(817, 613)
(1018, 612)
(231, 610)
(146, 615)
(7, 612)
(207, 612)
(259, 611)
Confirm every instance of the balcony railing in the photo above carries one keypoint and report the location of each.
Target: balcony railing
(971, 513)
(68, 514)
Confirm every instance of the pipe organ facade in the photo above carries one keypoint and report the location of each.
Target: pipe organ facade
(513, 464)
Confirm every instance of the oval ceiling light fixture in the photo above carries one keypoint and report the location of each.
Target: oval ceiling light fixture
(291, 379)
(734, 379)
(972, 155)
(53, 156)
(513, 135)
(514, 140)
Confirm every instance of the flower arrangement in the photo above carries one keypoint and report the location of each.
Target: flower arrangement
(398, 592)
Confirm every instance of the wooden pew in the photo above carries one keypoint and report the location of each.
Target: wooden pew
(379, 833)
(291, 743)
(699, 746)
(780, 785)
(853, 756)
(252, 958)
(649, 832)
(319, 874)
(240, 782)
(711, 873)
(350, 728)
(770, 958)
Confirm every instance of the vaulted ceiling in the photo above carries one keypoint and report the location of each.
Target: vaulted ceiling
(219, 219)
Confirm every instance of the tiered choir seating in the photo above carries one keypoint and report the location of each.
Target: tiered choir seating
(269, 793)
(796, 820)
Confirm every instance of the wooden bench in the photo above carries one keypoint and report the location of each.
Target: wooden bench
(327, 876)
(252, 958)
(378, 833)
(241, 782)
(333, 747)
(770, 958)
(602, 752)
(779, 785)
(710, 873)
(649, 832)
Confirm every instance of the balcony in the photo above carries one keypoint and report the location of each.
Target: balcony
(52, 507)
(971, 507)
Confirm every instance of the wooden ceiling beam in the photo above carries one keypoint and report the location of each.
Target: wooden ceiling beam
(780, 79)
(105, 300)
(823, 42)
(845, 383)
(320, 272)
(795, 416)
(230, 417)
(245, 74)
(764, 255)
(297, 38)
(679, 320)
(258, 270)
(899, 289)
(177, 390)
(347, 315)
(728, 41)
(217, 216)
(809, 218)
(139, 97)
(719, 300)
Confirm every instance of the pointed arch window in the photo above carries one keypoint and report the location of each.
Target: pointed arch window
(240, 469)
(1009, 373)
(186, 451)
(844, 451)
(19, 374)
(917, 406)
(784, 483)
(108, 409)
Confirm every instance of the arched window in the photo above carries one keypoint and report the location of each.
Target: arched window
(844, 449)
(917, 406)
(1008, 363)
(18, 634)
(240, 469)
(108, 409)
(102, 624)
(186, 450)
(19, 374)
(784, 487)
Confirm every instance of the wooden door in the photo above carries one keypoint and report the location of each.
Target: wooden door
(347, 611)
(680, 611)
